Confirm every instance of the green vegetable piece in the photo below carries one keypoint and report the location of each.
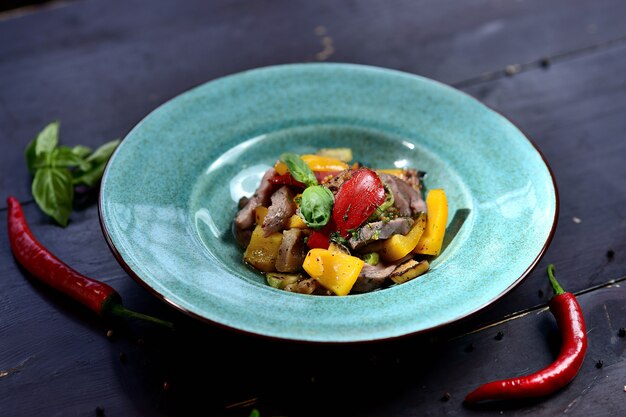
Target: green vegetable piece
(54, 193)
(299, 170)
(39, 150)
(316, 206)
(56, 169)
(32, 161)
(64, 157)
(255, 413)
(47, 139)
(81, 150)
(371, 258)
(104, 152)
(279, 280)
(98, 161)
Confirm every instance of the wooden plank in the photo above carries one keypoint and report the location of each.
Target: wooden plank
(59, 351)
(100, 70)
(53, 348)
(575, 114)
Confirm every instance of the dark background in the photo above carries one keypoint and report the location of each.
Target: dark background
(556, 68)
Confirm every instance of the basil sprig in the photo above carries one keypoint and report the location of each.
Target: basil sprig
(316, 206)
(57, 169)
(299, 170)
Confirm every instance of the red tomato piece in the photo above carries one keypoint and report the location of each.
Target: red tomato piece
(357, 199)
(286, 179)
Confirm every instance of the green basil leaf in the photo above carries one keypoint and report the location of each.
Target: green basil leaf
(64, 157)
(98, 161)
(299, 170)
(33, 162)
(47, 139)
(316, 206)
(54, 193)
(91, 176)
(104, 152)
(81, 150)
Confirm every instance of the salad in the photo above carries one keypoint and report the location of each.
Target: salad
(320, 224)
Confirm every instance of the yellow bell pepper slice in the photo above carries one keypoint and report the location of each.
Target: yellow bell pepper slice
(262, 252)
(397, 172)
(432, 239)
(335, 271)
(296, 222)
(398, 246)
(317, 163)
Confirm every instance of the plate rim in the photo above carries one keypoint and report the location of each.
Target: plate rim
(117, 255)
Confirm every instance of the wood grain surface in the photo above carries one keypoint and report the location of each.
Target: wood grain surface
(556, 69)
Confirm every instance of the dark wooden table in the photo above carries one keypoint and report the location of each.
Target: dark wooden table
(556, 68)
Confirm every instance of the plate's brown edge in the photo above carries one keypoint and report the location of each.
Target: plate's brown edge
(485, 306)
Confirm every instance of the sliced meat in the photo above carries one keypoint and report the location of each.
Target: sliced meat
(407, 199)
(373, 277)
(279, 212)
(380, 230)
(261, 197)
(335, 182)
(292, 251)
(414, 178)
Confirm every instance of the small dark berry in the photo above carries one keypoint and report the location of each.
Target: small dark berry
(499, 336)
(621, 332)
(122, 357)
(610, 253)
(540, 293)
(140, 342)
(166, 386)
(599, 364)
(99, 412)
(545, 62)
(469, 348)
(446, 397)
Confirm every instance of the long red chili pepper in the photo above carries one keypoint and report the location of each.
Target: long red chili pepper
(570, 320)
(46, 267)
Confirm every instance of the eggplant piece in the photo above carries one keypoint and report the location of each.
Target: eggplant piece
(305, 286)
(280, 281)
(409, 270)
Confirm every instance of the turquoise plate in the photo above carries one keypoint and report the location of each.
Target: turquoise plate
(170, 192)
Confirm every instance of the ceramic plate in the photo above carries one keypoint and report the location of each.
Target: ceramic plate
(170, 192)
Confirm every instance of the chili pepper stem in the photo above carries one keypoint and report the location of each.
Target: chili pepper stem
(118, 310)
(558, 290)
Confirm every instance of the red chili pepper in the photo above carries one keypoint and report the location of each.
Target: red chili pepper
(286, 179)
(46, 267)
(357, 199)
(569, 317)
